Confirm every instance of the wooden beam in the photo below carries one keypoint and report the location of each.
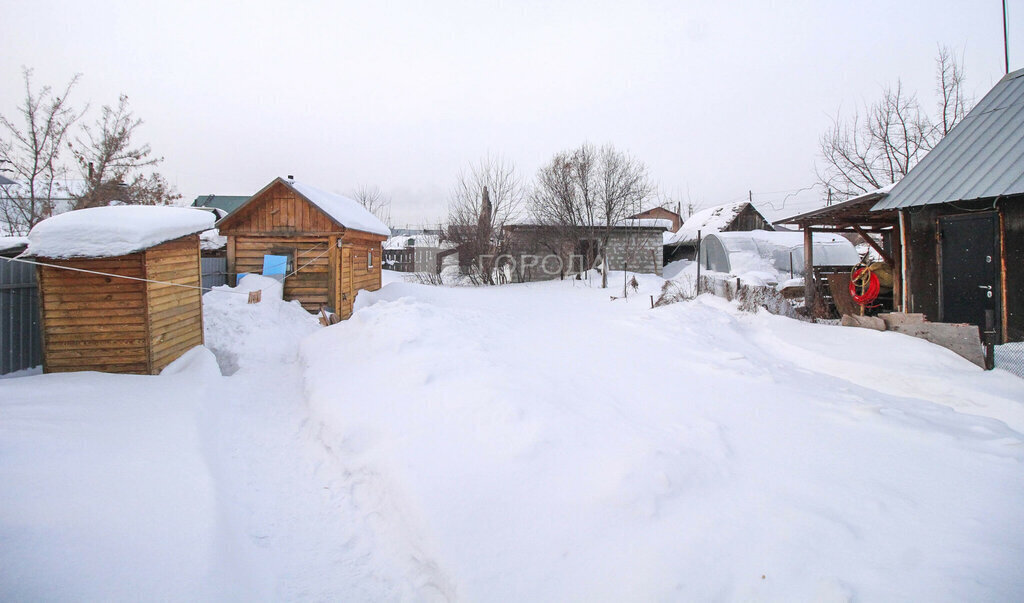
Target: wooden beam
(810, 292)
(874, 245)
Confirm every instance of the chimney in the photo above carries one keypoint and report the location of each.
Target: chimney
(291, 178)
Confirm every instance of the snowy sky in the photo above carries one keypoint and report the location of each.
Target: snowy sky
(716, 99)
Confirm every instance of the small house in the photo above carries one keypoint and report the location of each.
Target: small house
(661, 213)
(414, 252)
(960, 216)
(324, 246)
(119, 287)
(731, 217)
(544, 252)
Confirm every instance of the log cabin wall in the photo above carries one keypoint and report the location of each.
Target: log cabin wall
(175, 313)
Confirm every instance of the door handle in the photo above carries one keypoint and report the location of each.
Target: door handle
(989, 287)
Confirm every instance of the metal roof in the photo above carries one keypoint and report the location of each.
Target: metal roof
(982, 157)
(4, 181)
(852, 211)
(228, 203)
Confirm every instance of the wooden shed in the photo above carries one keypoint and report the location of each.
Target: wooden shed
(332, 244)
(110, 293)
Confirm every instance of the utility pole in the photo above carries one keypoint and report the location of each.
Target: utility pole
(1006, 44)
(828, 203)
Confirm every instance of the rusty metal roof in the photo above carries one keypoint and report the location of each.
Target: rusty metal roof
(982, 157)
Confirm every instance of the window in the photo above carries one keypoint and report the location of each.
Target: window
(369, 259)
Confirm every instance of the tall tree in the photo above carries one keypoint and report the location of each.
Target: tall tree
(485, 197)
(880, 144)
(584, 194)
(375, 201)
(113, 167)
(30, 151)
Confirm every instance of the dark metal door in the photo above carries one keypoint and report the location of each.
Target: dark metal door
(970, 268)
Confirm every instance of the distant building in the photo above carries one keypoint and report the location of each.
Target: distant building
(661, 213)
(731, 217)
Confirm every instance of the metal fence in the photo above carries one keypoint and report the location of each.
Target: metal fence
(21, 339)
(1010, 358)
(214, 272)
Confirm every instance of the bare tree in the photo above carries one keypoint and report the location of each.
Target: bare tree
(953, 106)
(113, 168)
(31, 152)
(582, 195)
(375, 201)
(486, 196)
(881, 143)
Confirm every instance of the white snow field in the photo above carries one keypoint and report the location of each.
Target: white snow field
(526, 442)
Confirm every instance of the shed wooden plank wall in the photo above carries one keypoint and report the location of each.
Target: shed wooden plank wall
(91, 322)
(310, 285)
(355, 273)
(278, 211)
(109, 324)
(175, 313)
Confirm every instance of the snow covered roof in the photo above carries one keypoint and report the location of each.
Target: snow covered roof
(212, 240)
(113, 230)
(413, 240)
(347, 212)
(8, 243)
(707, 221)
(645, 223)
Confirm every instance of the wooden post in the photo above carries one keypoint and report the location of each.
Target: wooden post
(810, 291)
(905, 306)
(897, 269)
(697, 289)
(232, 273)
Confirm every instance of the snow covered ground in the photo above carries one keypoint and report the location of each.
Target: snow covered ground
(527, 442)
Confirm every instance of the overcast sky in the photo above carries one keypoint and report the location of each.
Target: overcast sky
(718, 99)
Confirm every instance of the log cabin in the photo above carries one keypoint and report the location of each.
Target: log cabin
(332, 244)
(119, 287)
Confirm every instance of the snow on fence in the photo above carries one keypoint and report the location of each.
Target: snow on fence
(21, 339)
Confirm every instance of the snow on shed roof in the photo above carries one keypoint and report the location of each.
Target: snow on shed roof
(113, 230)
(347, 212)
(712, 219)
(981, 157)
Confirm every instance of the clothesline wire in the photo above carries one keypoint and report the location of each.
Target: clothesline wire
(149, 280)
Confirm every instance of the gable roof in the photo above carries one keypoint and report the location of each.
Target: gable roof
(344, 212)
(981, 157)
(228, 203)
(712, 219)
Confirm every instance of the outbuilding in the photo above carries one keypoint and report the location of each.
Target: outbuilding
(119, 287)
(325, 246)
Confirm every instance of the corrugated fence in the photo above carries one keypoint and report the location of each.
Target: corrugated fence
(21, 340)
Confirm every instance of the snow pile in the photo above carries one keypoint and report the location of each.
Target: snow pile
(347, 212)
(113, 230)
(243, 335)
(107, 495)
(689, 451)
(212, 240)
(416, 240)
